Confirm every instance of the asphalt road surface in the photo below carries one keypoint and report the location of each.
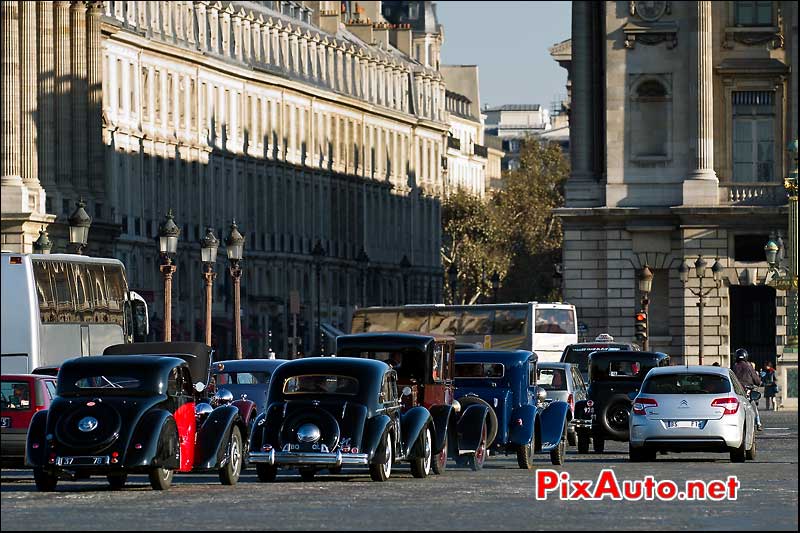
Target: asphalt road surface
(499, 497)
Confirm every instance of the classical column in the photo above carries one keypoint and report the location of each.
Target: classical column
(94, 60)
(46, 90)
(29, 166)
(77, 27)
(700, 188)
(11, 163)
(63, 94)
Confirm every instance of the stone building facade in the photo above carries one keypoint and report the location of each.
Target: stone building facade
(303, 121)
(680, 117)
(512, 123)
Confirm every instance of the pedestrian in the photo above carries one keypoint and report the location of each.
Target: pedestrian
(770, 383)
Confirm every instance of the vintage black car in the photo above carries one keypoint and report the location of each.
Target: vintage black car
(614, 379)
(523, 422)
(425, 364)
(329, 412)
(120, 414)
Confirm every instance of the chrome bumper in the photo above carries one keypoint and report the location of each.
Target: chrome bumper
(308, 458)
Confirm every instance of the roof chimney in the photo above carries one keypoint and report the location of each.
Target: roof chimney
(329, 21)
(400, 38)
(380, 32)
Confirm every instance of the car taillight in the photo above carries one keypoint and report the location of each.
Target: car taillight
(640, 404)
(731, 405)
(571, 402)
(345, 449)
(589, 403)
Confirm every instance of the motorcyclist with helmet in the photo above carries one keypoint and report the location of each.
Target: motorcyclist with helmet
(748, 377)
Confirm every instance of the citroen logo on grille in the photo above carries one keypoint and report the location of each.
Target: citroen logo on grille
(87, 424)
(308, 433)
(684, 403)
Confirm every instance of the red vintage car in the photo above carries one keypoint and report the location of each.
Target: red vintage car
(21, 396)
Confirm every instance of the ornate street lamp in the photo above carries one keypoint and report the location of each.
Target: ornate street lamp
(318, 252)
(234, 246)
(645, 285)
(405, 266)
(495, 279)
(42, 245)
(79, 224)
(208, 252)
(168, 233)
(701, 269)
(452, 278)
(363, 263)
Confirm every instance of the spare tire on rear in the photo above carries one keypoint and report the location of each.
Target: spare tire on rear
(491, 420)
(614, 417)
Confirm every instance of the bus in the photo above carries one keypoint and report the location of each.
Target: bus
(58, 306)
(544, 328)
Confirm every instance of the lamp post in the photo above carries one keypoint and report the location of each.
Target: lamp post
(42, 245)
(208, 253)
(363, 262)
(405, 266)
(452, 278)
(168, 233)
(700, 268)
(318, 252)
(234, 245)
(645, 285)
(79, 224)
(495, 279)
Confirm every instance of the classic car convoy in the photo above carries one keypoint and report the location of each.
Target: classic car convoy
(425, 365)
(324, 413)
(137, 413)
(614, 379)
(384, 398)
(505, 382)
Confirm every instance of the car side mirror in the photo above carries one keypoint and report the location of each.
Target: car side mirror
(199, 386)
(406, 391)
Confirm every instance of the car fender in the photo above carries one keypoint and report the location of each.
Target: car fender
(154, 442)
(412, 423)
(441, 416)
(470, 427)
(552, 420)
(36, 433)
(376, 428)
(256, 438)
(247, 410)
(522, 434)
(213, 435)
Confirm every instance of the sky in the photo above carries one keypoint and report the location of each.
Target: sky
(508, 41)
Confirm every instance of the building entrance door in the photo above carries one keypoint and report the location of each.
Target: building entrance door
(752, 322)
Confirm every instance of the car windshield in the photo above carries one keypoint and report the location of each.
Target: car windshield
(320, 384)
(15, 395)
(687, 384)
(108, 382)
(552, 379)
(480, 370)
(242, 378)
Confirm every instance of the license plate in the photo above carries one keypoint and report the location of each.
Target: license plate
(90, 460)
(684, 423)
(5, 422)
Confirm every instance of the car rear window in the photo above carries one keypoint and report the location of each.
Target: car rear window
(480, 370)
(242, 378)
(108, 382)
(555, 321)
(552, 379)
(579, 355)
(320, 384)
(687, 384)
(16, 395)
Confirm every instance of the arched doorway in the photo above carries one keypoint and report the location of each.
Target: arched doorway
(752, 322)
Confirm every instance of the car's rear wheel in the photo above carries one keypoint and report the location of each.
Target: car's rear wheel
(572, 437)
(738, 455)
(750, 454)
(440, 459)
(525, 456)
(559, 453)
(476, 459)
(266, 473)
(160, 478)
(614, 417)
(45, 481)
(421, 466)
(583, 442)
(229, 474)
(117, 480)
(382, 471)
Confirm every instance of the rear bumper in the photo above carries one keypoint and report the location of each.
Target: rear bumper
(330, 460)
(718, 435)
(581, 423)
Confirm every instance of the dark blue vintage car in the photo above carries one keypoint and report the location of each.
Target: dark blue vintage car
(327, 412)
(521, 423)
(246, 378)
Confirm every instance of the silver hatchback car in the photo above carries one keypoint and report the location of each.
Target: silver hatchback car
(692, 408)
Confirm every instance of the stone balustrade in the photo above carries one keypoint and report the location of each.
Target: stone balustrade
(752, 194)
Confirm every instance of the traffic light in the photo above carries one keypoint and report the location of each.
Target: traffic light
(641, 326)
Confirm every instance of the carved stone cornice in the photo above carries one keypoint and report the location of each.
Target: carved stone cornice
(651, 33)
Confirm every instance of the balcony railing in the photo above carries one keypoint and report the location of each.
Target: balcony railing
(454, 143)
(480, 150)
(752, 194)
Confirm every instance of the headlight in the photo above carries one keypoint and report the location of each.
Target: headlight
(456, 406)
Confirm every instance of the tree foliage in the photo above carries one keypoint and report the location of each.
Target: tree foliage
(513, 233)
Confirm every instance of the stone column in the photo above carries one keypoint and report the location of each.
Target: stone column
(11, 164)
(29, 165)
(77, 27)
(46, 90)
(94, 60)
(700, 187)
(63, 94)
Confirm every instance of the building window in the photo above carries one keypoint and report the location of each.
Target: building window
(753, 136)
(752, 13)
(650, 120)
(749, 248)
